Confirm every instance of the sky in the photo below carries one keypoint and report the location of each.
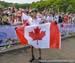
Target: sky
(21, 1)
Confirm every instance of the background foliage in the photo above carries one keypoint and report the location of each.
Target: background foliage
(57, 5)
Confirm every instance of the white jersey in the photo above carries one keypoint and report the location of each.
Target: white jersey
(49, 18)
(36, 21)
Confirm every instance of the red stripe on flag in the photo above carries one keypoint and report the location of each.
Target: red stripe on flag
(20, 34)
(25, 22)
(54, 36)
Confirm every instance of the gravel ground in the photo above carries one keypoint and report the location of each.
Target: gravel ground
(67, 52)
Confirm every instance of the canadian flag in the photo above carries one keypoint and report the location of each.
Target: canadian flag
(40, 36)
(24, 17)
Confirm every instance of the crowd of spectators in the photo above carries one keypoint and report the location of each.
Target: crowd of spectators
(10, 16)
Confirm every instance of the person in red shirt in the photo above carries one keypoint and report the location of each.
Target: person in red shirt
(66, 18)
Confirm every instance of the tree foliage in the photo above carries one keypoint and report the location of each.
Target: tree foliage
(57, 5)
(70, 9)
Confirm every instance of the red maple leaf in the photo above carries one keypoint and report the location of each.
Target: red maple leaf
(37, 34)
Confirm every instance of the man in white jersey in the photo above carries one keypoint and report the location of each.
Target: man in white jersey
(35, 21)
(32, 20)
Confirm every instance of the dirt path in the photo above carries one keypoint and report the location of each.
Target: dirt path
(67, 52)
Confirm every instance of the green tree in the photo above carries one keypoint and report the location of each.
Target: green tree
(1, 8)
(70, 9)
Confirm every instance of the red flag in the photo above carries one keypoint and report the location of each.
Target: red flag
(20, 34)
(40, 36)
(54, 36)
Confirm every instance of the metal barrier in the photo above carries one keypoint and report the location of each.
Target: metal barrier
(8, 32)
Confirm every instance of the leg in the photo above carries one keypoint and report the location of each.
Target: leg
(32, 53)
(39, 53)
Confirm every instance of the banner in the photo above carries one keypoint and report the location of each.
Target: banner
(7, 35)
(40, 36)
(67, 28)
